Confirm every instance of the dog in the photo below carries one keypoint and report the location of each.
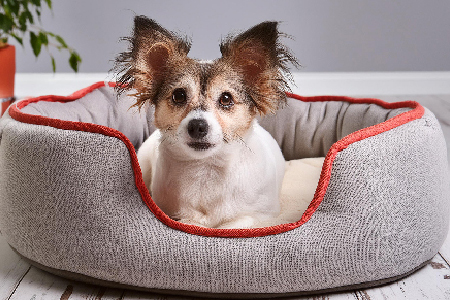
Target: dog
(209, 163)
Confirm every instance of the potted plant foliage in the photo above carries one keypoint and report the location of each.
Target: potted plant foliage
(19, 19)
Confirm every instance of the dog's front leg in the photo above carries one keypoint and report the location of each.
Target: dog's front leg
(147, 156)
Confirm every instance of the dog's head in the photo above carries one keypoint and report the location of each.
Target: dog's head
(201, 105)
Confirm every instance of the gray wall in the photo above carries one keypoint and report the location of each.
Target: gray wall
(330, 35)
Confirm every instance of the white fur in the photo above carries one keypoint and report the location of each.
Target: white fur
(231, 185)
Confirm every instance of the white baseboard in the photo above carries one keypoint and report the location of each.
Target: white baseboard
(38, 84)
(371, 83)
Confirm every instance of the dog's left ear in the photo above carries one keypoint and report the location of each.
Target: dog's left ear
(262, 61)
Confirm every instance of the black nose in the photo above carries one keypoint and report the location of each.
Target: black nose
(197, 128)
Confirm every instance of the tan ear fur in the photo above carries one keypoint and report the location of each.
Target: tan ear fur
(144, 66)
(262, 61)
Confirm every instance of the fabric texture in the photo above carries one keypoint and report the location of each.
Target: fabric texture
(308, 129)
(101, 107)
(69, 201)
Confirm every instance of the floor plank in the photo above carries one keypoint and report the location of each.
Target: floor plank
(134, 295)
(12, 269)
(430, 282)
(334, 296)
(445, 249)
(40, 285)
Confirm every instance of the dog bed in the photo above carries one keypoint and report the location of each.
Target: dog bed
(72, 199)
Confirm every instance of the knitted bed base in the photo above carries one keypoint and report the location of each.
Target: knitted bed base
(115, 285)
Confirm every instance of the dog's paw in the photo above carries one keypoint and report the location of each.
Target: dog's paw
(240, 222)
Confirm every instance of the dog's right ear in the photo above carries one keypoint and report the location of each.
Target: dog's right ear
(144, 67)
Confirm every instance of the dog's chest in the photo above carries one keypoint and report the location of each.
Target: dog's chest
(206, 187)
(202, 184)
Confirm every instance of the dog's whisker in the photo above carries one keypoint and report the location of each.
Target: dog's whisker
(168, 138)
(168, 128)
(161, 141)
(167, 135)
(225, 138)
(241, 139)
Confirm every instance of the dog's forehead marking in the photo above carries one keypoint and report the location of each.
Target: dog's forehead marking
(205, 74)
(213, 78)
(205, 62)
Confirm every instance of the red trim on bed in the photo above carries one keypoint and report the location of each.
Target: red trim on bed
(416, 113)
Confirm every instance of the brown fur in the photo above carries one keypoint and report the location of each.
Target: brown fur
(153, 50)
(262, 60)
(253, 68)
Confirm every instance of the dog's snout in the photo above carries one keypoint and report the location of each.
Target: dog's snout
(197, 128)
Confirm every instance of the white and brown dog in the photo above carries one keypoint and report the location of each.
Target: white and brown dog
(209, 163)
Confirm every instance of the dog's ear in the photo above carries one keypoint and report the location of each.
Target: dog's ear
(144, 67)
(262, 61)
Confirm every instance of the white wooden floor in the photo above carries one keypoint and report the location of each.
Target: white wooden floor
(19, 280)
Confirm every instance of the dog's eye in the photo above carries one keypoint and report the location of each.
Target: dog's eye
(179, 96)
(226, 100)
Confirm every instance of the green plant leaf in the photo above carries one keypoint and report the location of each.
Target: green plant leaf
(61, 41)
(44, 38)
(36, 2)
(6, 23)
(23, 17)
(38, 13)
(14, 7)
(74, 61)
(19, 39)
(3, 41)
(49, 3)
(29, 16)
(53, 64)
(25, 5)
(2, 21)
(36, 43)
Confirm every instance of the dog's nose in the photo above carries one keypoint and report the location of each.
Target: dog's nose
(197, 128)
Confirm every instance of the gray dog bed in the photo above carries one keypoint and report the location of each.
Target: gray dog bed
(72, 200)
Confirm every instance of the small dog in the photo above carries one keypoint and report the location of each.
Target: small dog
(209, 163)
